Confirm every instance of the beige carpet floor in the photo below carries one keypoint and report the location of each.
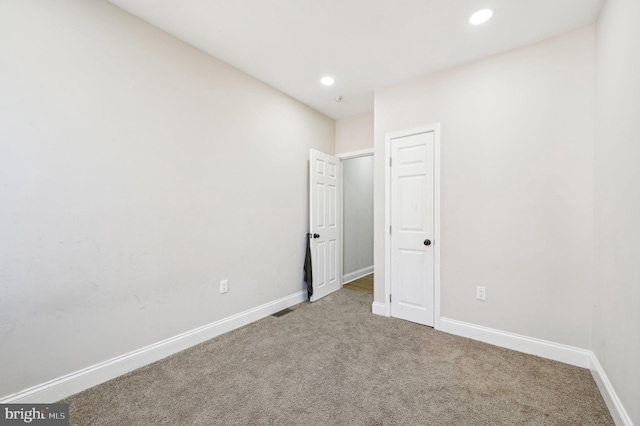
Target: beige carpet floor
(334, 363)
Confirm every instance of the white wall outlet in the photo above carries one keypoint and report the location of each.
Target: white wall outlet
(224, 286)
(481, 293)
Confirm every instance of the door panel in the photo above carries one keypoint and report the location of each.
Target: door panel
(410, 261)
(412, 209)
(325, 205)
(320, 206)
(412, 222)
(318, 269)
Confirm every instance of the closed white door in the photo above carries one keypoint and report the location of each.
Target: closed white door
(412, 227)
(324, 208)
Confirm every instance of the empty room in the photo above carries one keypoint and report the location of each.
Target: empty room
(329, 212)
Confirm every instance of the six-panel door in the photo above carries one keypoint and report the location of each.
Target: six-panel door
(325, 205)
(412, 227)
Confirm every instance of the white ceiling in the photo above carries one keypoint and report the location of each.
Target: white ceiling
(364, 44)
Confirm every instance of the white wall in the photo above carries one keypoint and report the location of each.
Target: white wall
(135, 173)
(357, 177)
(517, 153)
(616, 318)
(354, 133)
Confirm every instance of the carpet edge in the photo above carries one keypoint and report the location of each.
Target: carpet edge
(85, 378)
(543, 348)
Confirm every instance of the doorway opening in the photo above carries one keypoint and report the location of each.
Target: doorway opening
(357, 220)
(340, 233)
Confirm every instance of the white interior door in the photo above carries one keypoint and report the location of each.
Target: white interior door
(412, 227)
(324, 226)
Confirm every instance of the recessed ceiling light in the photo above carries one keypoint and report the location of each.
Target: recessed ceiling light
(481, 16)
(327, 81)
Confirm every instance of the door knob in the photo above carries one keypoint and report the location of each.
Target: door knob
(427, 242)
(316, 235)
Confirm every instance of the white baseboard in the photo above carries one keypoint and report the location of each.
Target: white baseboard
(78, 381)
(352, 276)
(619, 414)
(529, 345)
(568, 354)
(378, 309)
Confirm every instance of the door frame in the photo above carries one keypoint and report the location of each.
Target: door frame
(435, 128)
(348, 156)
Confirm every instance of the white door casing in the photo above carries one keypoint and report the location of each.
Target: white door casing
(412, 219)
(325, 205)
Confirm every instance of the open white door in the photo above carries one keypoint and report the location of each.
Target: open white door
(412, 226)
(325, 204)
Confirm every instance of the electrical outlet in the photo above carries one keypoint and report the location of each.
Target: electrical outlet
(481, 293)
(224, 286)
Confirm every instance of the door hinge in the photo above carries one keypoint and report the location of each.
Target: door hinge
(389, 297)
(390, 161)
(389, 229)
